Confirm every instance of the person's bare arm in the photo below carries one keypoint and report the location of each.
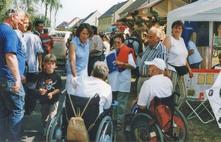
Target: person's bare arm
(189, 69)
(50, 95)
(40, 62)
(72, 54)
(12, 63)
(167, 42)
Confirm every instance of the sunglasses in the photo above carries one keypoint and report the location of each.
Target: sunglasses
(9, 12)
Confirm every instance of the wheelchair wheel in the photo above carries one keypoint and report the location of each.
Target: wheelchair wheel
(54, 133)
(105, 132)
(49, 129)
(180, 126)
(144, 129)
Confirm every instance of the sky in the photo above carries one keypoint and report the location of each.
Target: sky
(82, 8)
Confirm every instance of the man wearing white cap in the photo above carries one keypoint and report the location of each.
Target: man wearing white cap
(157, 86)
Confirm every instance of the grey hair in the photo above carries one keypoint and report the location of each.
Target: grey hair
(157, 31)
(17, 11)
(100, 70)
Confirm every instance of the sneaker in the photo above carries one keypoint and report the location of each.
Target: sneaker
(24, 138)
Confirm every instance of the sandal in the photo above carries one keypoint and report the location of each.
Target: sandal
(119, 127)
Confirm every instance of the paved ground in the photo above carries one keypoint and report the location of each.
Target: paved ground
(32, 126)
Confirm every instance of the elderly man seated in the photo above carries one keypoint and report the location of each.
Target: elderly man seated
(157, 86)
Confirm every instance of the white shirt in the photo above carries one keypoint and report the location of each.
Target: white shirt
(88, 86)
(106, 46)
(34, 47)
(178, 53)
(121, 81)
(157, 86)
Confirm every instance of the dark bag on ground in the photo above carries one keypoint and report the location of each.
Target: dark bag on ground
(181, 70)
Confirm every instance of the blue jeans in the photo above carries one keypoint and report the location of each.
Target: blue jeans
(11, 111)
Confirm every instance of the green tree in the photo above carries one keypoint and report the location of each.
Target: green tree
(4, 6)
(56, 7)
(52, 5)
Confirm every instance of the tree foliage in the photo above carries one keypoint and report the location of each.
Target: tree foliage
(30, 7)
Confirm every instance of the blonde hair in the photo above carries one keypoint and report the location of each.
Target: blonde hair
(50, 58)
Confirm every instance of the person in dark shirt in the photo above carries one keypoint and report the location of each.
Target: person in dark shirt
(49, 86)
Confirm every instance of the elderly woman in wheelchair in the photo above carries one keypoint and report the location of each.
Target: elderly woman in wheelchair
(154, 117)
(93, 99)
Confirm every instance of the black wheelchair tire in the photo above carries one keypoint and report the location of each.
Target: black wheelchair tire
(185, 135)
(140, 124)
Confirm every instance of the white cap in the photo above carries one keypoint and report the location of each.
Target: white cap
(158, 62)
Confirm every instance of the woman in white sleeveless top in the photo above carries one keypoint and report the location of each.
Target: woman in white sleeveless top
(177, 56)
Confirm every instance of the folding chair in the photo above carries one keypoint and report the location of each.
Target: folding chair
(198, 104)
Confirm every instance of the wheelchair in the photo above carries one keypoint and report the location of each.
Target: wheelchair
(142, 125)
(102, 131)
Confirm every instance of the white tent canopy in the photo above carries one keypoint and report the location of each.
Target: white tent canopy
(201, 10)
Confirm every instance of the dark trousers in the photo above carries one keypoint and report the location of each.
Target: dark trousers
(31, 92)
(195, 65)
(92, 61)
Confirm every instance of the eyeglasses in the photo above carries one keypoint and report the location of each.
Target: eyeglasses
(117, 42)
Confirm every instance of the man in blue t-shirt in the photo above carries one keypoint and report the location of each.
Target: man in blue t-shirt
(12, 66)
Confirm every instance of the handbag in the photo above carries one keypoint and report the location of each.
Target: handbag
(181, 70)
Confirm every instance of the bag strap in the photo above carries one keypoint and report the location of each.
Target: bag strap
(92, 125)
(69, 96)
(78, 111)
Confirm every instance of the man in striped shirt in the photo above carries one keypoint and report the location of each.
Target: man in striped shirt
(155, 49)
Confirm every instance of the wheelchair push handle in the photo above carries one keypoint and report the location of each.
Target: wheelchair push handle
(63, 91)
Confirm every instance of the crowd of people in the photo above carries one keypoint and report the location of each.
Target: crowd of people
(96, 64)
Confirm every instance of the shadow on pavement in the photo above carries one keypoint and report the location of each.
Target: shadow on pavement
(32, 127)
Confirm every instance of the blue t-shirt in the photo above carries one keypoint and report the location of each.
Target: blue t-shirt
(9, 43)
